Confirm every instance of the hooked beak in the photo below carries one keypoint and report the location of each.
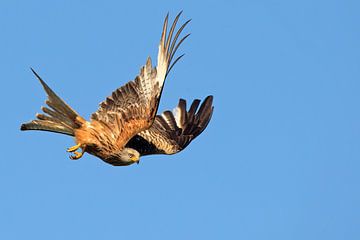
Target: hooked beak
(135, 159)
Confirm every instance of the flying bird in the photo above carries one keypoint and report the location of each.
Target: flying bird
(126, 127)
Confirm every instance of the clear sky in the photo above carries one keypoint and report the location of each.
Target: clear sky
(279, 160)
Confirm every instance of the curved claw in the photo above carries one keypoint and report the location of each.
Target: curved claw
(76, 156)
(74, 148)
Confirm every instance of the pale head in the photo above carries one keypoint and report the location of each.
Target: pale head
(126, 156)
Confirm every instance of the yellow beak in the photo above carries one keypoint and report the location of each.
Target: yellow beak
(135, 159)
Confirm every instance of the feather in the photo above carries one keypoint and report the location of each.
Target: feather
(136, 102)
(42, 125)
(61, 118)
(172, 133)
(170, 120)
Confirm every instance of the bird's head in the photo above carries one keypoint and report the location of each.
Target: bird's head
(126, 156)
(131, 155)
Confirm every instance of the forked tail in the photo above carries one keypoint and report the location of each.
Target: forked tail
(59, 117)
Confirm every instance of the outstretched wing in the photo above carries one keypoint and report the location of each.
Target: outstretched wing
(132, 108)
(172, 132)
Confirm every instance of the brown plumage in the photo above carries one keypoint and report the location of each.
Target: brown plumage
(172, 132)
(129, 113)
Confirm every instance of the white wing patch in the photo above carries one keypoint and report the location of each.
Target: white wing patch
(167, 120)
(177, 115)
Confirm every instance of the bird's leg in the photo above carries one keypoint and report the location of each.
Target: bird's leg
(74, 148)
(77, 155)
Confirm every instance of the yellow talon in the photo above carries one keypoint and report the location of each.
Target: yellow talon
(74, 148)
(76, 155)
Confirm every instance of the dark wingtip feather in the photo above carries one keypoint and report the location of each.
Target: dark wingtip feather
(171, 45)
(205, 113)
(206, 110)
(172, 65)
(172, 28)
(164, 30)
(211, 97)
(23, 127)
(167, 136)
(198, 120)
(182, 104)
(179, 14)
(206, 105)
(182, 109)
(194, 106)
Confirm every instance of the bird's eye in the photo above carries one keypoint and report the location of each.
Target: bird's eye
(131, 155)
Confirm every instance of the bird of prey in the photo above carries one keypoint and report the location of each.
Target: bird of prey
(126, 126)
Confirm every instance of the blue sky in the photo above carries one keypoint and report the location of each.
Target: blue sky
(279, 160)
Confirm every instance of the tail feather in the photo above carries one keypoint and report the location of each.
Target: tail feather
(43, 125)
(59, 118)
